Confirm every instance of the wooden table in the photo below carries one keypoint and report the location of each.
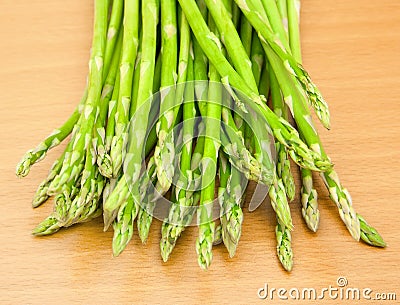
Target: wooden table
(351, 48)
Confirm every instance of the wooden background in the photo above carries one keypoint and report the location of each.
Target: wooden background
(351, 48)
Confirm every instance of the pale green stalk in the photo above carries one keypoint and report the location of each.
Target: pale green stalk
(283, 162)
(113, 31)
(208, 165)
(73, 165)
(129, 53)
(164, 152)
(104, 126)
(182, 201)
(41, 193)
(140, 120)
(308, 194)
(230, 195)
(55, 138)
(123, 224)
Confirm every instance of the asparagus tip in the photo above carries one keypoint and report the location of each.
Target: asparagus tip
(24, 165)
(47, 227)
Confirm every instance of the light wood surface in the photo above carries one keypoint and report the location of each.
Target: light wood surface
(351, 49)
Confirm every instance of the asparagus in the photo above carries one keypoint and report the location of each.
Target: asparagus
(240, 157)
(140, 120)
(136, 76)
(147, 196)
(182, 211)
(55, 138)
(308, 195)
(164, 152)
(73, 165)
(282, 7)
(256, 15)
(283, 163)
(232, 42)
(257, 58)
(180, 216)
(285, 133)
(41, 193)
(209, 166)
(87, 179)
(232, 181)
(129, 52)
(104, 160)
(369, 235)
(46, 227)
(139, 123)
(283, 188)
(113, 32)
(99, 141)
(86, 201)
(109, 188)
(246, 31)
(182, 199)
(121, 190)
(108, 101)
(123, 225)
(230, 196)
(59, 134)
(283, 248)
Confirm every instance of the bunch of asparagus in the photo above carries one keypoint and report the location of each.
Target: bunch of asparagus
(182, 102)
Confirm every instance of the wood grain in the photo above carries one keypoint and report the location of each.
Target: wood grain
(351, 48)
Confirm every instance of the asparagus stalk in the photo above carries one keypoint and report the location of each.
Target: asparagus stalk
(139, 122)
(308, 195)
(113, 32)
(182, 211)
(205, 240)
(283, 163)
(121, 190)
(183, 199)
(73, 165)
(99, 141)
(282, 7)
(41, 193)
(104, 160)
(164, 152)
(246, 31)
(105, 130)
(257, 58)
(230, 196)
(283, 248)
(233, 145)
(92, 182)
(256, 15)
(129, 52)
(180, 216)
(55, 138)
(59, 134)
(123, 226)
